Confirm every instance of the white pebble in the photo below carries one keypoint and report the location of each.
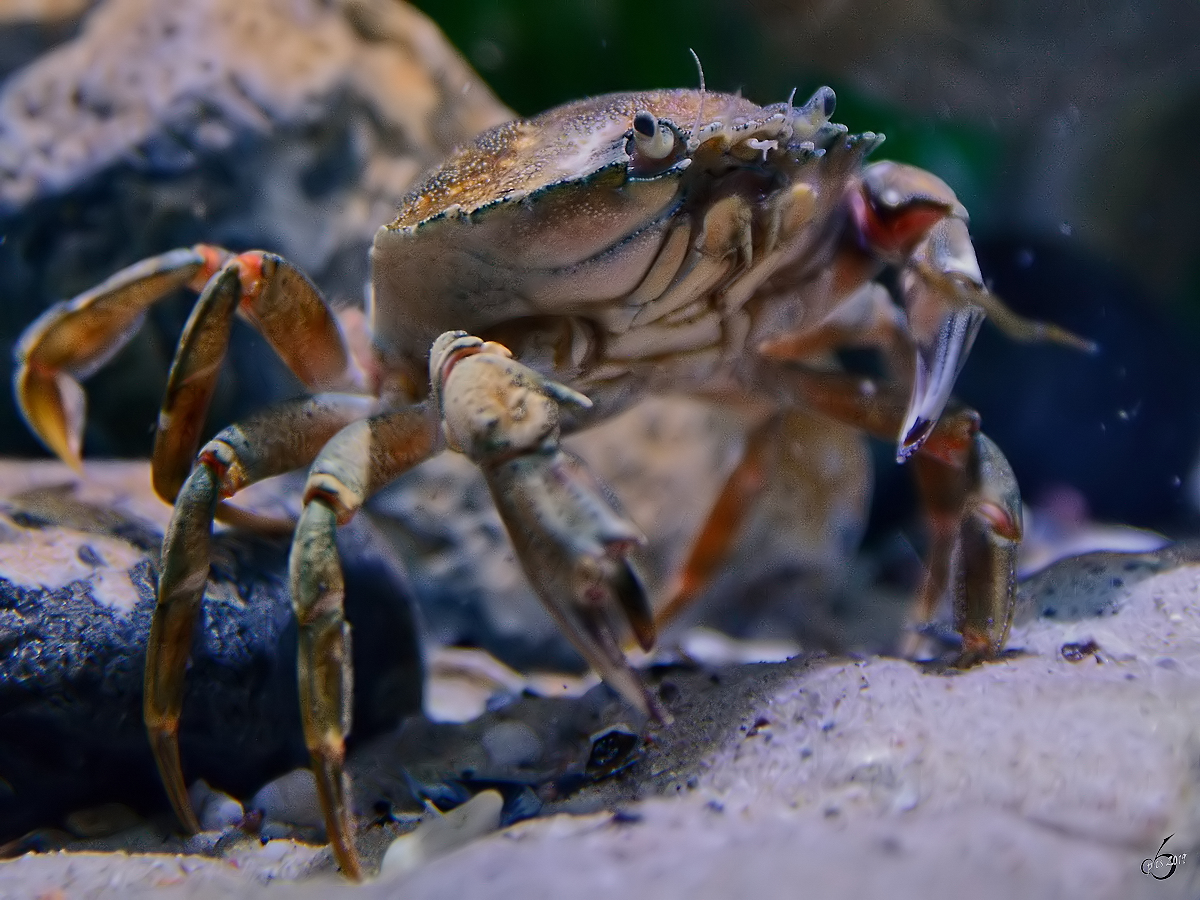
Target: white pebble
(442, 834)
(290, 798)
(215, 809)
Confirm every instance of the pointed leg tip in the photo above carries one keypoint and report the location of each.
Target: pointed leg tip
(52, 403)
(347, 860)
(329, 772)
(165, 745)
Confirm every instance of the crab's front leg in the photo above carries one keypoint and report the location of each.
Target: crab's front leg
(572, 543)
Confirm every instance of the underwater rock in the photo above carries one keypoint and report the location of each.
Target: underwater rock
(77, 581)
(289, 125)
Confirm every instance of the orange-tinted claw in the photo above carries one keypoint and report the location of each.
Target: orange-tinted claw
(53, 404)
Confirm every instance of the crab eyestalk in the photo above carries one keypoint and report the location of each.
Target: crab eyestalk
(810, 118)
(650, 138)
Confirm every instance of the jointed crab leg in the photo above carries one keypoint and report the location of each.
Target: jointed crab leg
(971, 497)
(73, 339)
(715, 540)
(285, 306)
(975, 520)
(269, 444)
(357, 462)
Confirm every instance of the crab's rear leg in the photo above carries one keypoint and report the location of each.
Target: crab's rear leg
(867, 317)
(273, 442)
(73, 339)
(285, 307)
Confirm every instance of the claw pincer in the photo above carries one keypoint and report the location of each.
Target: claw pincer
(571, 541)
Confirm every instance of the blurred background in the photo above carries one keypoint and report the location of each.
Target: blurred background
(1067, 128)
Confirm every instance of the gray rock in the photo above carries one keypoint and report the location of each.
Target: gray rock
(289, 125)
(77, 586)
(290, 799)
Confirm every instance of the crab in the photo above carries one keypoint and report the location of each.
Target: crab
(552, 273)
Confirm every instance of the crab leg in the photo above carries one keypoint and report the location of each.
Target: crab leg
(975, 524)
(289, 312)
(715, 540)
(358, 461)
(269, 444)
(866, 317)
(971, 498)
(73, 339)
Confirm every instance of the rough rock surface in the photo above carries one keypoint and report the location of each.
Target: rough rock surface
(78, 570)
(290, 125)
(1052, 773)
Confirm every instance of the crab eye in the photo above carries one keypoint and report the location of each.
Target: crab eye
(652, 140)
(808, 119)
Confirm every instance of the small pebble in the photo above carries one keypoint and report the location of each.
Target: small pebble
(216, 810)
(510, 744)
(441, 834)
(290, 798)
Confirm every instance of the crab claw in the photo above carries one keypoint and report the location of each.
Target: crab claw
(574, 547)
(940, 287)
(910, 219)
(572, 543)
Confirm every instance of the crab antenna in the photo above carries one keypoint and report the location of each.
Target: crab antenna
(700, 110)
